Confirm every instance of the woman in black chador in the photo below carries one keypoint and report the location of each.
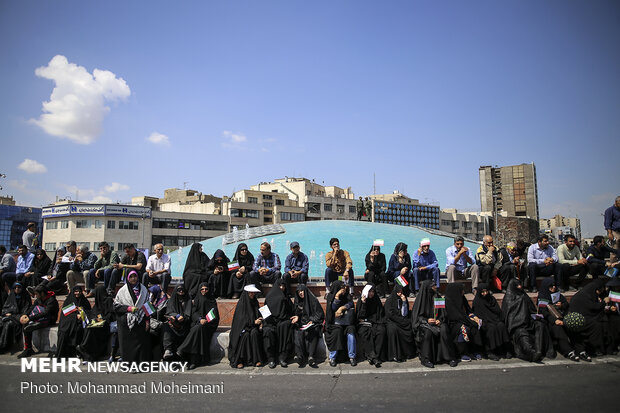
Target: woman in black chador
(238, 278)
(15, 305)
(590, 303)
(375, 270)
(40, 267)
(340, 323)
(245, 346)
(204, 322)
(177, 320)
(530, 336)
(462, 323)
(97, 335)
(218, 274)
(307, 325)
(401, 345)
(195, 271)
(371, 332)
(431, 332)
(278, 328)
(71, 326)
(133, 323)
(494, 333)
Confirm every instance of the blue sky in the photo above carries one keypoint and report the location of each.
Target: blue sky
(232, 93)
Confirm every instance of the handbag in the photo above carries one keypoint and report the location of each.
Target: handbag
(496, 283)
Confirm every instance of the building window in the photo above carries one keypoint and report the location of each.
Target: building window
(340, 209)
(82, 223)
(268, 197)
(50, 246)
(252, 200)
(111, 224)
(455, 225)
(51, 225)
(243, 213)
(127, 225)
(327, 207)
(352, 209)
(314, 207)
(279, 201)
(268, 204)
(64, 224)
(291, 216)
(267, 219)
(479, 226)
(98, 224)
(267, 212)
(446, 222)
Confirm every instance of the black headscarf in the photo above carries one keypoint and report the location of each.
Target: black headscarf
(517, 307)
(53, 270)
(486, 307)
(204, 303)
(379, 263)
(372, 310)
(104, 304)
(336, 286)
(457, 307)
(309, 306)
(391, 307)
(41, 266)
(587, 301)
(246, 260)
(219, 258)
(197, 261)
(67, 322)
(279, 304)
(180, 304)
(16, 305)
(245, 315)
(401, 246)
(424, 304)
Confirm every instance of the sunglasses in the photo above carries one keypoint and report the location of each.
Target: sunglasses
(243, 249)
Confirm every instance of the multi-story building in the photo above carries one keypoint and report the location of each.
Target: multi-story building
(14, 220)
(399, 209)
(565, 225)
(472, 225)
(512, 189)
(257, 207)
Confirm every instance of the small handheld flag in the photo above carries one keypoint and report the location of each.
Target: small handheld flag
(148, 308)
(401, 280)
(305, 327)
(440, 303)
(378, 243)
(543, 303)
(210, 315)
(71, 308)
(233, 265)
(614, 296)
(84, 317)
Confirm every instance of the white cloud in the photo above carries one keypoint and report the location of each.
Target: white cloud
(100, 199)
(158, 139)
(32, 167)
(77, 104)
(234, 137)
(115, 187)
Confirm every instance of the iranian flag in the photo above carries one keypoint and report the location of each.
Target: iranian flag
(614, 296)
(401, 280)
(71, 308)
(305, 327)
(440, 303)
(543, 303)
(210, 315)
(148, 308)
(378, 243)
(233, 265)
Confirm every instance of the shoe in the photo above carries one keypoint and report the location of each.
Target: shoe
(411, 295)
(272, 364)
(353, 362)
(80, 351)
(191, 366)
(283, 363)
(572, 356)
(311, 362)
(453, 363)
(235, 296)
(168, 355)
(509, 355)
(465, 357)
(26, 353)
(240, 365)
(90, 294)
(428, 364)
(326, 292)
(538, 356)
(332, 362)
(478, 356)
(259, 364)
(111, 359)
(572, 289)
(584, 356)
(371, 362)
(378, 364)
(30, 290)
(493, 357)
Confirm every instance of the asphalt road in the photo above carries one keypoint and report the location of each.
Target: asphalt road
(509, 385)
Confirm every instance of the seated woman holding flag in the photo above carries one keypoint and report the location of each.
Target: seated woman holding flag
(133, 311)
(430, 330)
(399, 267)
(464, 326)
(401, 345)
(554, 306)
(73, 321)
(218, 274)
(494, 333)
(371, 331)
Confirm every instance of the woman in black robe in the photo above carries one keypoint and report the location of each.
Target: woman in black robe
(195, 271)
(375, 270)
(401, 344)
(307, 325)
(177, 320)
(340, 320)
(238, 278)
(400, 264)
(371, 332)
(494, 333)
(97, 337)
(15, 305)
(204, 321)
(245, 346)
(218, 274)
(463, 325)
(57, 274)
(612, 311)
(71, 327)
(430, 329)
(278, 328)
(39, 268)
(530, 336)
(589, 303)
(133, 322)
(550, 294)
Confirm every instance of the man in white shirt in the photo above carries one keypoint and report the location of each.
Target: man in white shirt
(158, 269)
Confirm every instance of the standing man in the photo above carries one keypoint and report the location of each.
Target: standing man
(571, 263)
(29, 237)
(612, 225)
(295, 266)
(425, 264)
(158, 269)
(266, 268)
(460, 262)
(488, 259)
(339, 264)
(81, 266)
(542, 260)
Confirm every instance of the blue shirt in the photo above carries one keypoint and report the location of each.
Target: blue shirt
(461, 264)
(272, 262)
(23, 264)
(428, 260)
(612, 219)
(537, 255)
(299, 263)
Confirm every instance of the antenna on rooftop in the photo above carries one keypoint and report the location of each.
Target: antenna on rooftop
(374, 183)
(185, 185)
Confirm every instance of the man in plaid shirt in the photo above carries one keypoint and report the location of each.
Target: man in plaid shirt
(266, 268)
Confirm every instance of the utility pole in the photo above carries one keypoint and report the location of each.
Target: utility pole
(374, 183)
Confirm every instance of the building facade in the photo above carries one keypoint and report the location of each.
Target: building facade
(560, 226)
(399, 209)
(257, 208)
(511, 189)
(14, 221)
(472, 225)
